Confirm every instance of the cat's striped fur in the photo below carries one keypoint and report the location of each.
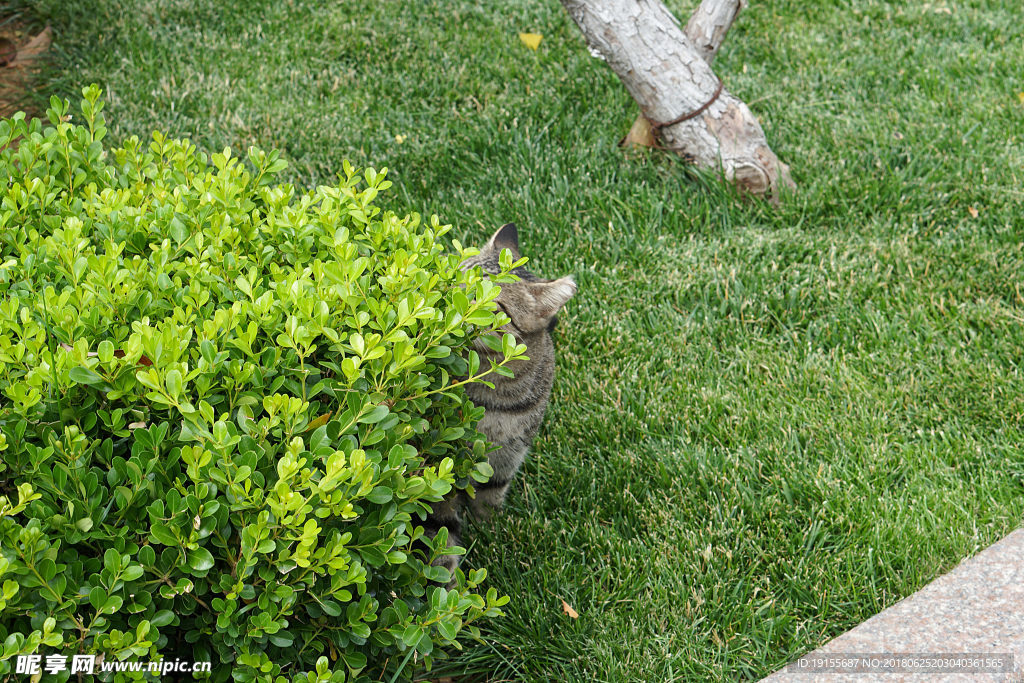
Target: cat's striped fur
(515, 407)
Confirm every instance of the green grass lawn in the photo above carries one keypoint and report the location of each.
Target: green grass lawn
(768, 424)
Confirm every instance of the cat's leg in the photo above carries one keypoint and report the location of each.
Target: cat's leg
(505, 461)
(490, 496)
(445, 513)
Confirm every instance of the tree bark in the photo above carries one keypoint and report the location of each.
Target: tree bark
(709, 24)
(669, 76)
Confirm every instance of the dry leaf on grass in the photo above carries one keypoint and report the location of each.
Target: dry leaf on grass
(567, 608)
(641, 134)
(531, 40)
(971, 210)
(18, 69)
(34, 48)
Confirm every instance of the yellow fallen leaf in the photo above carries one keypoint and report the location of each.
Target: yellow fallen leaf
(971, 210)
(567, 608)
(640, 134)
(531, 40)
(1020, 97)
(35, 47)
(400, 138)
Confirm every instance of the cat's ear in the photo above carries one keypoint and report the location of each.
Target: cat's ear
(552, 295)
(506, 237)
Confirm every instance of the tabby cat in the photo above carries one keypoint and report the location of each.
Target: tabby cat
(515, 407)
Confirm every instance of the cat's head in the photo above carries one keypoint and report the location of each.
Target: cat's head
(533, 302)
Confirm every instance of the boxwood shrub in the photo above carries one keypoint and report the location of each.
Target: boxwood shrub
(226, 406)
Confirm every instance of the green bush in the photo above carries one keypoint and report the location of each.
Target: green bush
(226, 408)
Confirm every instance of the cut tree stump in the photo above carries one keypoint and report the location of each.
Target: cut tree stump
(668, 73)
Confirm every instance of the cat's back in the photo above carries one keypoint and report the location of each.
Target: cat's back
(515, 406)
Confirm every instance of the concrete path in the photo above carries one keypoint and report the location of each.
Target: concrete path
(977, 609)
